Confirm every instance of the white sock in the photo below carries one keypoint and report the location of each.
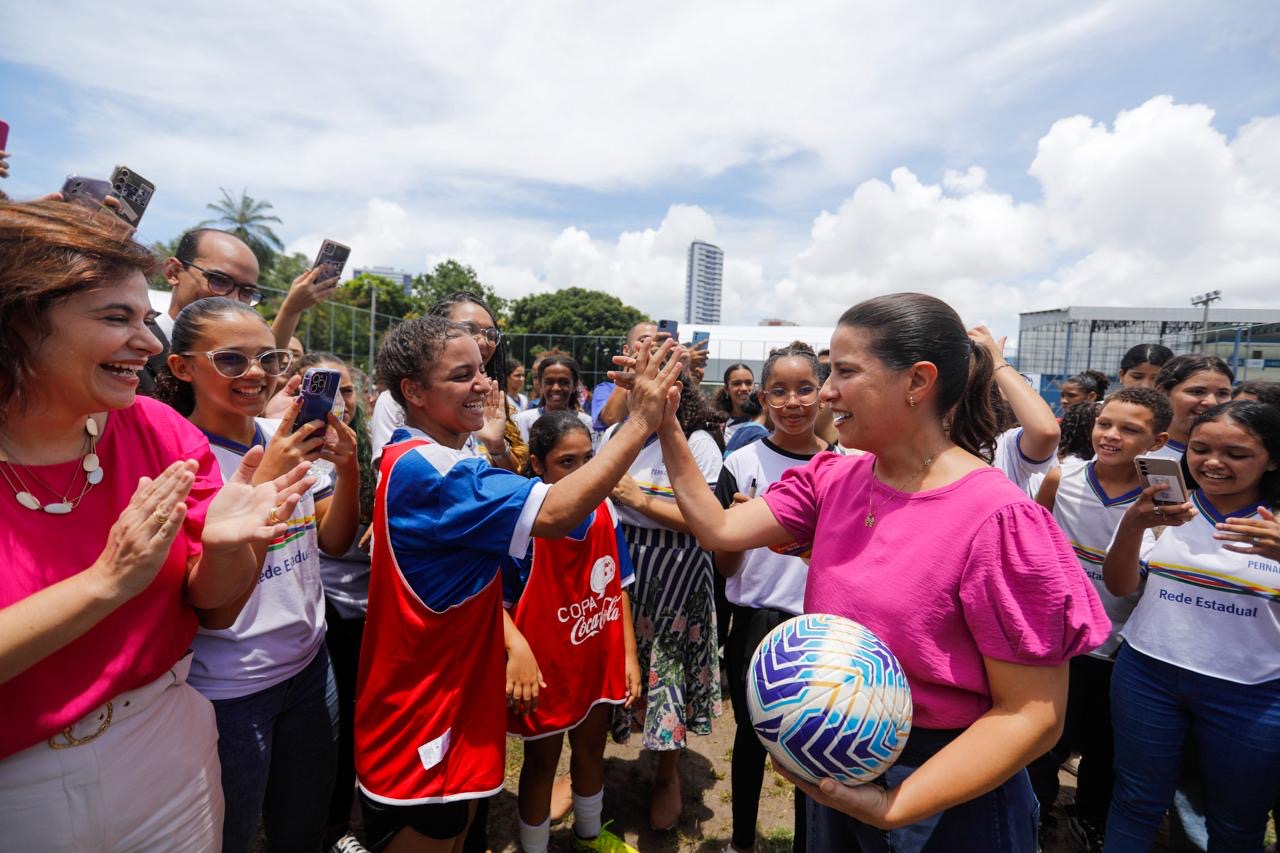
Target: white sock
(586, 814)
(534, 839)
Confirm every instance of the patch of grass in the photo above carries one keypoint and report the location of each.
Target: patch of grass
(775, 841)
(515, 758)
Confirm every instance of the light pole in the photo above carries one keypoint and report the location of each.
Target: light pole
(1206, 299)
(373, 325)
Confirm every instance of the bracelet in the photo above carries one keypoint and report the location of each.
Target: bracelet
(1001, 367)
(506, 451)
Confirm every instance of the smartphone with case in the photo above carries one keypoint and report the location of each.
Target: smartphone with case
(4, 134)
(699, 337)
(334, 254)
(1165, 472)
(133, 192)
(319, 389)
(670, 328)
(86, 192)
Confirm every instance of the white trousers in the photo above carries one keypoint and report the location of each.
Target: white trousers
(150, 781)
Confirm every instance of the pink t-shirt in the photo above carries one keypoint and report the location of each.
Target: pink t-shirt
(143, 637)
(945, 577)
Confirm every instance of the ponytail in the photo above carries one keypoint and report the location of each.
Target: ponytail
(973, 420)
(906, 328)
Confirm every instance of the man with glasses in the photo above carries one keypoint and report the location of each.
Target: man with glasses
(208, 262)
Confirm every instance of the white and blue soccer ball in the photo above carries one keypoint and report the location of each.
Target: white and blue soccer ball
(828, 699)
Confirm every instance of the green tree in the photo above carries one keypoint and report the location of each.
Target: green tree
(573, 311)
(248, 218)
(341, 323)
(162, 250)
(392, 300)
(451, 276)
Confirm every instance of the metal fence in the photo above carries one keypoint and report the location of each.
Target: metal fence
(353, 334)
(1061, 347)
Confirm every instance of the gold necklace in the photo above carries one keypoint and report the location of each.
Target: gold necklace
(89, 464)
(870, 520)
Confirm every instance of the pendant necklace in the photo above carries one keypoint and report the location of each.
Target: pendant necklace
(870, 520)
(89, 464)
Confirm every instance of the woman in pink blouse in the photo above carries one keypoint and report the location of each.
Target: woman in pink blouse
(967, 580)
(116, 542)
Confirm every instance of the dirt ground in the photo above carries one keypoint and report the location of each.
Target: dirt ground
(706, 823)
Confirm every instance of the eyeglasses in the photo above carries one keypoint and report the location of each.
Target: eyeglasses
(490, 334)
(234, 364)
(806, 395)
(224, 285)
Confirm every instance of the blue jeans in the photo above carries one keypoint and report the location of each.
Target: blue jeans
(1002, 821)
(279, 753)
(1236, 729)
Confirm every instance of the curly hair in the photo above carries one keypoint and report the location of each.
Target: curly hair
(695, 413)
(1148, 398)
(409, 349)
(1077, 430)
(496, 366)
(50, 251)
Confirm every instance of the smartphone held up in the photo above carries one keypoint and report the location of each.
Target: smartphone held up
(1165, 472)
(319, 392)
(332, 255)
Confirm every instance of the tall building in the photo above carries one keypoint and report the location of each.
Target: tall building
(400, 277)
(702, 283)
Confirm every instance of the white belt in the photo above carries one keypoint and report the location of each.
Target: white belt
(120, 708)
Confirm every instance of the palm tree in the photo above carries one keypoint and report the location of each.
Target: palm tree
(247, 218)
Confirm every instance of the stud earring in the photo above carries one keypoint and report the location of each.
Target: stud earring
(912, 401)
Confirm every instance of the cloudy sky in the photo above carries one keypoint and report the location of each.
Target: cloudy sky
(1004, 156)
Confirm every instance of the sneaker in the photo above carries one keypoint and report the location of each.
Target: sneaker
(1086, 836)
(348, 844)
(605, 842)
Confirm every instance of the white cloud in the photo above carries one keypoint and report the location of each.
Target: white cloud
(1149, 210)
(420, 131)
(373, 97)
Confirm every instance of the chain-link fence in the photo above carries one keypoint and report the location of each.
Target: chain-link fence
(1056, 344)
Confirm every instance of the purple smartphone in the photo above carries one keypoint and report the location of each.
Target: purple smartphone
(318, 391)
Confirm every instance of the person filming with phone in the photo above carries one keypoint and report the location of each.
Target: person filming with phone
(1200, 661)
(209, 262)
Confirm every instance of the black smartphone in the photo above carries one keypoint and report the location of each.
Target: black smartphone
(319, 389)
(334, 254)
(86, 192)
(133, 192)
(669, 328)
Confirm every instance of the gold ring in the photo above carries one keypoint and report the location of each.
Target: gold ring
(273, 518)
(161, 515)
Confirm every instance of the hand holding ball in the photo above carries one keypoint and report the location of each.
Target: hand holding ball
(828, 699)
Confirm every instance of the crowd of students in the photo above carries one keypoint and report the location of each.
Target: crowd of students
(219, 624)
